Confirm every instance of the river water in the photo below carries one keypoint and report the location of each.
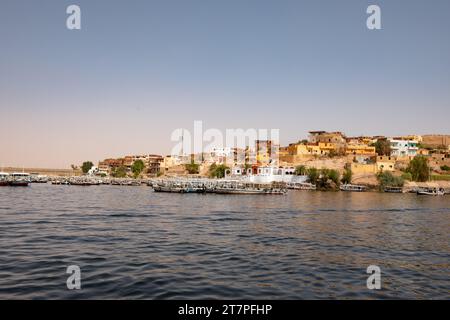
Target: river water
(132, 243)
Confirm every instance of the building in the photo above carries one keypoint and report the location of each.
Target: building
(403, 148)
(360, 149)
(337, 138)
(152, 163)
(266, 152)
(385, 163)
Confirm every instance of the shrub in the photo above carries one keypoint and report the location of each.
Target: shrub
(313, 175)
(217, 171)
(300, 170)
(192, 168)
(347, 176)
(406, 176)
(387, 179)
(419, 169)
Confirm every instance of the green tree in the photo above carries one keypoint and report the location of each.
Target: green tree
(334, 176)
(300, 170)
(313, 175)
(119, 172)
(445, 168)
(137, 167)
(192, 168)
(419, 169)
(217, 171)
(328, 179)
(347, 176)
(406, 176)
(86, 166)
(387, 179)
(382, 147)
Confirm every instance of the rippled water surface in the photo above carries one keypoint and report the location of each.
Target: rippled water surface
(133, 243)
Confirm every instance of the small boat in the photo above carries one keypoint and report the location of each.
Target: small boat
(18, 179)
(431, 192)
(38, 178)
(179, 187)
(393, 189)
(221, 190)
(4, 179)
(353, 187)
(301, 186)
(248, 188)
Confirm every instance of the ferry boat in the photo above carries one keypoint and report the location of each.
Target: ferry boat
(19, 179)
(353, 187)
(301, 186)
(4, 179)
(38, 178)
(179, 187)
(393, 189)
(431, 192)
(248, 188)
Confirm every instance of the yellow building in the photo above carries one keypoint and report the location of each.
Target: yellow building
(385, 163)
(360, 149)
(362, 168)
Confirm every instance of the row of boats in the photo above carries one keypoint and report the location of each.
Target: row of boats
(197, 185)
(91, 181)
(217, 186)
(242, 187)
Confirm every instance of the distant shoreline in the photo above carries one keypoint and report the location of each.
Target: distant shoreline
(43, 171)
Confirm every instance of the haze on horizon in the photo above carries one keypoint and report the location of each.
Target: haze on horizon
(137, 70)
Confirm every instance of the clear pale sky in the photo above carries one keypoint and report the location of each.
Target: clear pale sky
(137, 70)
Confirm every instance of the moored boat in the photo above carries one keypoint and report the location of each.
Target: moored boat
(431, 192)
(393, 189)
(248, 188)
(19, 179)
(353, 187)
(4, 178)
(301, 186)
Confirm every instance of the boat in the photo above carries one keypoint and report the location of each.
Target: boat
(353, 187)
(248, 188)
(393, 189)
(4, 179)
(38, 178)
(19, 179)
(179, 187)
(431, 192)
(301, 186)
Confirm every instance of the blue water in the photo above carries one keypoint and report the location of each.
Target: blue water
(132, 243)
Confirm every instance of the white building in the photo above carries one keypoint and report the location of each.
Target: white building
(404, 148)
(266, 174)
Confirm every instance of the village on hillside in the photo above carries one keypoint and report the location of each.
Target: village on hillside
(361, 159)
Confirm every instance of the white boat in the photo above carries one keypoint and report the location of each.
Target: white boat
(353, 187)
(301, 186)
(19, 179)
(236, 187)
(431, 192)
(4, 178)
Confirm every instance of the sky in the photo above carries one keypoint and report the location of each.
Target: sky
(138, 70)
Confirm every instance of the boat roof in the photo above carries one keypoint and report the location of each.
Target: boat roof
(4, 174)
(20, 174)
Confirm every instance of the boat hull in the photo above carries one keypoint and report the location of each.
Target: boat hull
(18, 184)
(249, 192)
(425, 193)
